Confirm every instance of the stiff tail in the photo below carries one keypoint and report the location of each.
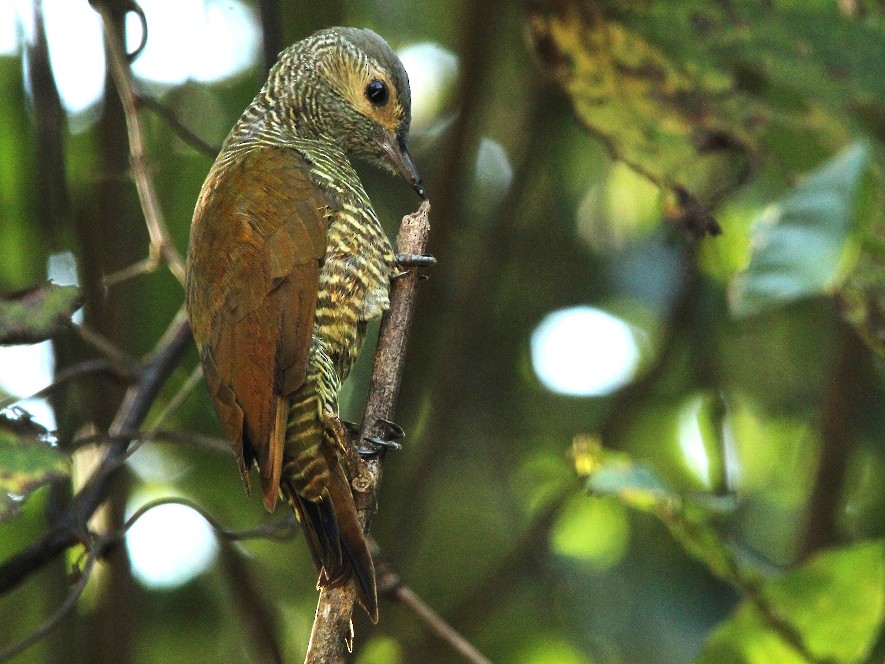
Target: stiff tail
(315, 484)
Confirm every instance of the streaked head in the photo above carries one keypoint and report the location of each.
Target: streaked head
(347, 83)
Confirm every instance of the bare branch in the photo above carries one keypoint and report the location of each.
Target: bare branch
(437, 625)
(181, 130)
(175, 402)
(70, 528)
(391, 585)
(106, 347)
(85, 368)
(279, 530)
(144, 266)
(155, 435)
(162, 246)
(332, 628)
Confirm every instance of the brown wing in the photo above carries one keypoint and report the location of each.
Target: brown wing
(257, 241)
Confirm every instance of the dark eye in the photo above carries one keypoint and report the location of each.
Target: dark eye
(377, 92)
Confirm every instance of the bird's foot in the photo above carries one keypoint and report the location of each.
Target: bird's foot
(415, 260)
(411, 260)
(393, 430)
(391, 433)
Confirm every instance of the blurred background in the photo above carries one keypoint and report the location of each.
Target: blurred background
(630, 438)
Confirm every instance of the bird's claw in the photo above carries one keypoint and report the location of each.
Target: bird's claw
(393, 430)
(378, 442)
(410, 261)
(415, 260)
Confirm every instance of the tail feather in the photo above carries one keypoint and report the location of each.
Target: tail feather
(318, 524)
(336, 540)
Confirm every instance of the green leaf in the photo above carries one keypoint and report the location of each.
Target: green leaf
(694, 95)
(37, 313)
(633, 484)
(800, 244)
(689, 520)
(27, 460)
(829, 609)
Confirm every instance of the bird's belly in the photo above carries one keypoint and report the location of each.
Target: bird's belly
(352, 292)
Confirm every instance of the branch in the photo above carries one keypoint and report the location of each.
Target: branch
(70, 528)
(391, 585)
(162, 247)
(181, 130)
(332, 628)
(406, 596)
(279, 531)
(84, 368)
(186, 438)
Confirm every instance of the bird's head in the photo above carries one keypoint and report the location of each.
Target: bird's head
(347, 83)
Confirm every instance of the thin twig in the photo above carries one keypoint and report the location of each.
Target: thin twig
(155, 435)
(332, 628)
(162, 246)
(181, 130)
(173, 405)
(68, 530)
(85, 368)
(279, 530)
(106, 347)
(437, 625)
(175, 402)
(392, 586)
(144, 266)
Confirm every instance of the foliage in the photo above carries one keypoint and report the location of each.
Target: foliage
(830, 609)
(27, 460)
(737, 503)
(37, 313)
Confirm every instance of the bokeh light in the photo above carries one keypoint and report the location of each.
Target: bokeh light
(169, 545)
(27, 369)
(432, 73)
(691, 439)
(584, 351)
(213, 40)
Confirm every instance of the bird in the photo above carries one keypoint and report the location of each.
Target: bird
(287, 263)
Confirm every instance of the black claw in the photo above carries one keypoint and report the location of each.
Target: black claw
(352, 428)
(386, 444)
(393, 430)
(415, 260)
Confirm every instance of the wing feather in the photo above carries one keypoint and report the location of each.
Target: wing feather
(257, 242)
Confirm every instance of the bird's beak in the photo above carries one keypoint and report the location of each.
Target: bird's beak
(395, 151)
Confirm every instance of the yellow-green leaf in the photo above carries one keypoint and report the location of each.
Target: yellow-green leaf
(829, 609)
(37, 313)
(27, 460)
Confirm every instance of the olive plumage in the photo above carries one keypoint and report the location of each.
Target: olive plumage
(287, 263)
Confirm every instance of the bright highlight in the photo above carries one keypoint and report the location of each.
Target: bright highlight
(170, 545)
(584, 351)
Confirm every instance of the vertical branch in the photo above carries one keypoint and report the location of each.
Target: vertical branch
(846, 403)
(332, 629)
(162, 247)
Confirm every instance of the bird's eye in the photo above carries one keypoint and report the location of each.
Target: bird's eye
(377, 92)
